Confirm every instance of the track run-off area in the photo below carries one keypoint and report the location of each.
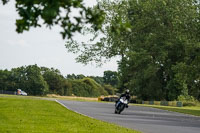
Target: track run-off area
(144, 119)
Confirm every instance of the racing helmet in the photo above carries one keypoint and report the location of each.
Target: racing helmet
(127, 91)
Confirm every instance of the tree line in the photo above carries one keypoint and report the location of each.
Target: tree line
(37, 80)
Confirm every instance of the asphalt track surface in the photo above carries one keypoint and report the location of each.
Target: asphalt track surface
(144, 119)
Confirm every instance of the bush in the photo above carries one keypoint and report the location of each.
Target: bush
(67, 86)
(87, 87)
(80, 89)
(189, 103)
(187, 100)
(110, 90)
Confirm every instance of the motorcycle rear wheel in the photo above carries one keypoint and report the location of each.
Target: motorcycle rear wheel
(115, 112)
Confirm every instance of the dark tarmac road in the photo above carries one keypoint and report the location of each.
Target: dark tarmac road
(144, 119)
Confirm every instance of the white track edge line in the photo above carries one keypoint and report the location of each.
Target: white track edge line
(73, 110)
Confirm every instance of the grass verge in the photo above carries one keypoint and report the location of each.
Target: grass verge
(24, 115)
(192, 110)
(185, 110)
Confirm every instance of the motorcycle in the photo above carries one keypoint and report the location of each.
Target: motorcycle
(120, 105)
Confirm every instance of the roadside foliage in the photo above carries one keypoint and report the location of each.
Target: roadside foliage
(42, 80)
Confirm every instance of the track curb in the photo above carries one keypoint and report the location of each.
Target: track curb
(72, 109)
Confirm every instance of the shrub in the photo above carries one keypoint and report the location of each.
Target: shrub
(187, 100)
(110, 90)
(67, 86)
(87, 87)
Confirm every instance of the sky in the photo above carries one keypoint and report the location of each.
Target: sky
(40, 46)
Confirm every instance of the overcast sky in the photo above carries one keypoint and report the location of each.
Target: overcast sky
(39, 46)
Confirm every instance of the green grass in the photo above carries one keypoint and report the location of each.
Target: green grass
(185, 110)
(192, 110)
(25, 115)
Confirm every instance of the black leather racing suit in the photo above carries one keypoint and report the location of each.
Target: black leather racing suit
(127, 95)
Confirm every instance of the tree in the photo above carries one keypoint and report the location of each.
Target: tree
(80, 76)
(56, 12)
(165, 41)
(159, 48)
(36, 85)
(109, 89)
(98, 51)
(29, 79)
(111, 77)
(54, 80)
(6, 81)
(98, 79)
(67, 86)
(87, 87)
(71, 76)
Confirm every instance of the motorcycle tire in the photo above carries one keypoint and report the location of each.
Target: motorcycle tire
(115, 112)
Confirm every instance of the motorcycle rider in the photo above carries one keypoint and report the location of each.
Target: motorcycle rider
(127, 95)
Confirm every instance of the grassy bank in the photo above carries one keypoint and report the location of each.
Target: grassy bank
(186, 110)
(24, 115)
(192, 110)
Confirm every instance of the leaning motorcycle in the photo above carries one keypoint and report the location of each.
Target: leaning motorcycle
(120, 105)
